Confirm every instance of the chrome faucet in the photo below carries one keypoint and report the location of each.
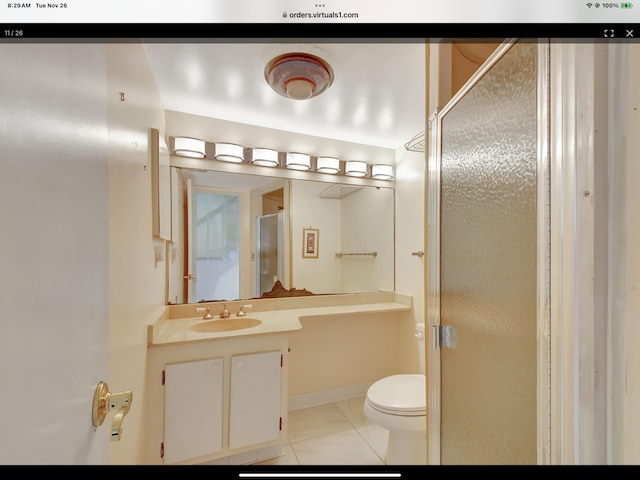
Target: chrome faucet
(225, 312)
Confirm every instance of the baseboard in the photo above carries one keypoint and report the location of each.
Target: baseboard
(322, 397)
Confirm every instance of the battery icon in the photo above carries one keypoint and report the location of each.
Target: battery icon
(626, 5)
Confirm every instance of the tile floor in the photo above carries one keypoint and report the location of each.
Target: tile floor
(332, 434)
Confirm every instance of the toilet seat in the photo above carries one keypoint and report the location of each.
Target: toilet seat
(403, 395)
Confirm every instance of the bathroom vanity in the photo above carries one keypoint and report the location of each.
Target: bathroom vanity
(218, 388)
(218, 394)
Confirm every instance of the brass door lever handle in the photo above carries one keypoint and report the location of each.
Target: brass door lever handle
(104, 402)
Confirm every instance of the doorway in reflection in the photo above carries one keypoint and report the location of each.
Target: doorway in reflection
(215, 246)
(270, 241)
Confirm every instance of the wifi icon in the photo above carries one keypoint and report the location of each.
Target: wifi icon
(589, 5)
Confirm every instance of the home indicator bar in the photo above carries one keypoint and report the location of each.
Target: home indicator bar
(320, 475)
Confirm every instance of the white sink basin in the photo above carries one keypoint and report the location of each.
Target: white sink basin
(225, 325)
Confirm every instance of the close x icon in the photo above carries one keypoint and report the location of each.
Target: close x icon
(618, 33)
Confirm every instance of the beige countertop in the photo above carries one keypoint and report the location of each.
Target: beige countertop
(168, 330)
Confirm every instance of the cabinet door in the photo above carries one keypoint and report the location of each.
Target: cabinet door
(255, 398)
(192, 409)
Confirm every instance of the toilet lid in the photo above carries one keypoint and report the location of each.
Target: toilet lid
(400, 394)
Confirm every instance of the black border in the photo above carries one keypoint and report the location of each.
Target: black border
(320, 472)
(128, 32)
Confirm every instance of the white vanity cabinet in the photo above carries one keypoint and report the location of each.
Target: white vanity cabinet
(214, 399)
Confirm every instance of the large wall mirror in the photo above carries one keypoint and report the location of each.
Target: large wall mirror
(236, 235)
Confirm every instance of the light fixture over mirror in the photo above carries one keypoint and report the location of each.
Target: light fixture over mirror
(268, 157)
(355, 169)
(265, 157)
(298, 161)
(382, 172)
(298, 75)
(329, 165)
(229, 152)
(189, 147)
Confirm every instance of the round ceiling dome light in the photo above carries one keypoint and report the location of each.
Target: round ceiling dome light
(298, 75)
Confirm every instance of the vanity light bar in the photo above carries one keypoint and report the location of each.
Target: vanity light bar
(229, 152)
(189, 147)
(267, 157)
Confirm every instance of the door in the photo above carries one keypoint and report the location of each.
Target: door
(483, 278)
(269, 258)
(190, 278)
(214, 244)
(53, 252)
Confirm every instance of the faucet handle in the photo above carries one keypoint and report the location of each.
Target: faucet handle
(207, 311)
(241, 312)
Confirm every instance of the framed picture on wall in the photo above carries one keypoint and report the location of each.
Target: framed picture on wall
(310, 237)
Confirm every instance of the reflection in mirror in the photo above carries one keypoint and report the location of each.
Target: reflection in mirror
(269, 255)
(239, 236)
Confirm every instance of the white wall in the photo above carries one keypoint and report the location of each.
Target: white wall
(136, 284)
(308, 210)
(342, 351)
(360, 222)
(410, 238)
(366, 217)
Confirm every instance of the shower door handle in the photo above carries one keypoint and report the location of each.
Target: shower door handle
(444, 336)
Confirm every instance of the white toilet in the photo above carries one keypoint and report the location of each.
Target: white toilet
(398, 403)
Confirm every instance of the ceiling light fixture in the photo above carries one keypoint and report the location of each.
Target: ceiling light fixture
(298, 75)
(298, 161)
(382, 172)
(328, 165)
(265, 157)
(229, 152)
(355, 169)
(188, 147)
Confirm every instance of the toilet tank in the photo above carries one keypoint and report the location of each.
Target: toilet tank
(421, 342)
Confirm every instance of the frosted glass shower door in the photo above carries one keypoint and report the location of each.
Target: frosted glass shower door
(488, 228)
(269, 260)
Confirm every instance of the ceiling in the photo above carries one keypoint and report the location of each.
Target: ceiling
(377, 96)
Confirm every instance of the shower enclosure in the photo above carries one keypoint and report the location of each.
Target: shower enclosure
(269, 257)
(483, 257)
